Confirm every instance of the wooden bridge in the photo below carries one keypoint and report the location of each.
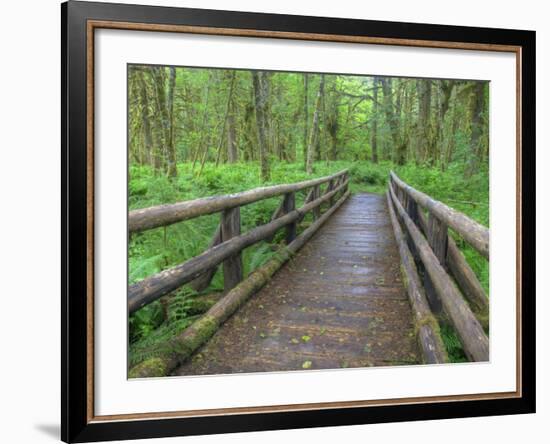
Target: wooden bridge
(366, 284)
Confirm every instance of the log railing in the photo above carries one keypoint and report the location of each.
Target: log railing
(430, 255)
(228, 242)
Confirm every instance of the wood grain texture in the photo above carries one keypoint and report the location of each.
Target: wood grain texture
(233, 265)
(471, 231)
(338, 303)
(163, 215)
(471, 334)
(154, 287)
(427, 328)
(179, 348)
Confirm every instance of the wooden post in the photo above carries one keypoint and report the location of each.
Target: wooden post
(472, 232)
(431, 293)
(433, 298)
(428, 336)
(470, 332)
(203, 281)
(412, 209)
(289, 204)
(329, 189)
(316, 195)
(233, 265)
(436, 235)
(437, 238)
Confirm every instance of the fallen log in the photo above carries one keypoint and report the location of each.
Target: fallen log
(474, 233)
(164, 282)
(163, 215)
(181, 347)
(470, 331)
(426, 326)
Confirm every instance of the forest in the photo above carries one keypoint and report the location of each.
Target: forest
(196, 132)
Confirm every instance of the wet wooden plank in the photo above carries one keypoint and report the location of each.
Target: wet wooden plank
(338, 303)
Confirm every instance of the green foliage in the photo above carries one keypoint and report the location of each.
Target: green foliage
(438, 130)
(158, 249)
(452, 343)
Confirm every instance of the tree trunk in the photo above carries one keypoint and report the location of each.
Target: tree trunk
(424, 110)
(374, 122)
(146, 126)
(170, 145)
(199, 149)
(232, 149)
(259, 82)
(163, 136)
(392, 117)
(314, 128)
(451, 140)
(226, 123)
(476, 148)
(306, 112)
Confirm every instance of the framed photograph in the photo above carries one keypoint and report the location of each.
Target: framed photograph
(276, 221)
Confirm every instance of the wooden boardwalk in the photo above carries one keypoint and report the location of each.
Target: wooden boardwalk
(338, 303)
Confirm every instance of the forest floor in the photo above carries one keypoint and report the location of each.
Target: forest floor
(158, 249)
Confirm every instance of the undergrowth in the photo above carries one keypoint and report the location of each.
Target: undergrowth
(161, 248)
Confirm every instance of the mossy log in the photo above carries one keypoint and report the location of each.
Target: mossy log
(181, 347)
(470, 331)
(163, 215)
(472, 232)
(156, 286)
(427, 327)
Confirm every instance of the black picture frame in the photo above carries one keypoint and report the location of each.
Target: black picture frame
(76, 423)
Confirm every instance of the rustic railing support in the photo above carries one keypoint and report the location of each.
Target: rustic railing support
(188, 341)
(437, 238)
(316, 195)
(157, 285)
(233, 265)
(330, 187)
(464, 276)
(426, 326)
(470, 331)
(203, 281)
(289, 204)
(467, 281)
(471, 231)
(163, 215)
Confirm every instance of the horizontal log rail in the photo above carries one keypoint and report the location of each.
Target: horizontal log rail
(180, 348)
(472, 232)
(164, 215)
(232, 242)
(427, 328)
(449, 282)
(463, 275)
